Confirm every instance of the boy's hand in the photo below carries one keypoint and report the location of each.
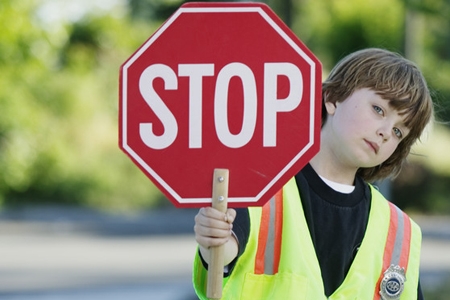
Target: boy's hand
(212, 227)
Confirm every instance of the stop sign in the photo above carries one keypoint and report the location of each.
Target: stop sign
(220, 85)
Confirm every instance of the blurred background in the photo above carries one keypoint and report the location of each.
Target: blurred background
(78, 219)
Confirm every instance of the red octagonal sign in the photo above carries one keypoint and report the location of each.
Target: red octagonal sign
(221, 85)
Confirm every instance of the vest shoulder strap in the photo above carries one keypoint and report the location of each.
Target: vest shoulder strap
(396, 255)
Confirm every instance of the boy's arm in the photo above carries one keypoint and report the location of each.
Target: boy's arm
(230, 251)
(214, 228)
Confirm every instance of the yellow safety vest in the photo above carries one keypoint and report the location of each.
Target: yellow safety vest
(280, 262)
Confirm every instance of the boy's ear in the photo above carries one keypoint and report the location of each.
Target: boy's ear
(330, 107)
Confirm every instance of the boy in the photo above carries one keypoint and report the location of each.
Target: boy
(328, 234)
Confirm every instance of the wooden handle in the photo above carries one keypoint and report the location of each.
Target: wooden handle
(215, 267)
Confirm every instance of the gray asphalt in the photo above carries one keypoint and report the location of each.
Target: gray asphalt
(59, 253)
(51, 253)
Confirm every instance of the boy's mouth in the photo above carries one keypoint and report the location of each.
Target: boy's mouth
(373, 145)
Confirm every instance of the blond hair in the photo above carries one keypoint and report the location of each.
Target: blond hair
(395, 79)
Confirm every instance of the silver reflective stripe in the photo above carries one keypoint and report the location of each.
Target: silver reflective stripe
(270, 245)
(398, 244)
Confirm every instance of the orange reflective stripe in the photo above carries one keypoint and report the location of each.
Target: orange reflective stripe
(262, 238)
(390, 243)
(268, 253)
(406, 243)
(396, 250)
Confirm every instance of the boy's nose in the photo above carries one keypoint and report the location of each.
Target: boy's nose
(385, 133)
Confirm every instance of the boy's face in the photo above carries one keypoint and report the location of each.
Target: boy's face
(363, 131)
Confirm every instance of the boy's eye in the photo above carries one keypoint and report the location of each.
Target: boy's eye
(398, 133)
(378, 109)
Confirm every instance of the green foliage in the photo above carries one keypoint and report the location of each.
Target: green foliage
(421, 190)
(436, 56)
(58, 131)
(332, 29)
(154, 9)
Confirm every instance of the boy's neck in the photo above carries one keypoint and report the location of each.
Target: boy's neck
(331, 170)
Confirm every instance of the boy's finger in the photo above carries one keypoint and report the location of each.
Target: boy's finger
(213, 223)
(230, 215)
(210, 242)
(213, 213)
(212, 232)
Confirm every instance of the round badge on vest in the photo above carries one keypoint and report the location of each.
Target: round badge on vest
(392, 285)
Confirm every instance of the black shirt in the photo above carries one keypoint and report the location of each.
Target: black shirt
(336, 221)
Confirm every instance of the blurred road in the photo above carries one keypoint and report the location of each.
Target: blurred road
(55, 253)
